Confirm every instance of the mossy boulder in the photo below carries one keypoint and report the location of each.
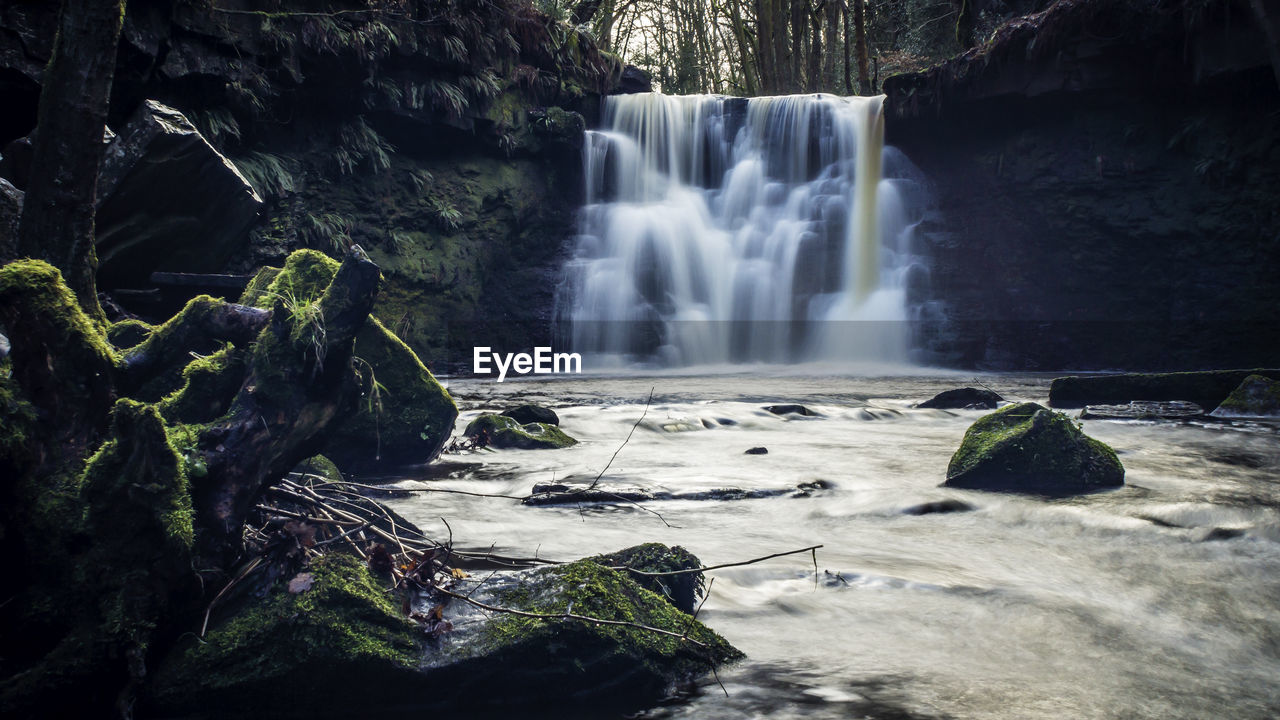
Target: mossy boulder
(343, 642)
(525, 414)
(643, 561)
(570, 661)
(341, 645)
(129, 333)
(500, 431)
(1257, 396)
(963, 398)
(1027, 448)
(407, 416)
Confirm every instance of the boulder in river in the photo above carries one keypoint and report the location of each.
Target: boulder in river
(1257, 396)
(332, 641)
(1027, 448)
(757, 451)
(525, 414)
(500, 431)
(962, 399)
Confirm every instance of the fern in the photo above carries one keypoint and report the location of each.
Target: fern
(327, 229)
(217, 124)
(357, 142)
(271, 175)
(446, 213)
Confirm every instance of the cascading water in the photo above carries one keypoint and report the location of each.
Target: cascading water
(728, 230)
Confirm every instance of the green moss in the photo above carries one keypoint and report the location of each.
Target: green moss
(129, 333)
(408, 416)
(333, 645)
(682, 591)
(589, 589)
(17, 425)
(1028, 448)
(321, 466)
(257, 287)
(169, 353)
(209, 384)
(500, 431)
(1257, 396)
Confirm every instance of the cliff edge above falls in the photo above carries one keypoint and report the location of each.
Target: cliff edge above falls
(1104, 175)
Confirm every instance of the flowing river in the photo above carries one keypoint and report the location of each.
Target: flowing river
(1158, 600)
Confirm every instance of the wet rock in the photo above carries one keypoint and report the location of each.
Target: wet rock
(15, 163)
(525, 414)
(963, 399)
(167, 200)
(590, 492)
(791, 409)
(633, 80)
(727, 422)
(949, 505)
(1257, 396)
(1221, 533)
(757, 451)
(639, 562)
(1143, 410)
(1206, 389)
(500, 431)
(1027, 448)
(344, 646)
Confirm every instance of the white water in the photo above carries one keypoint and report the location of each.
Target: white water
(1117, 605)
(720, 230)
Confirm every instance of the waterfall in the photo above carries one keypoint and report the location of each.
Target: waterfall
(727, 230)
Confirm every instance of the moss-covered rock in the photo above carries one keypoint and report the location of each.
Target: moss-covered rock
(343, 643)
(563, 662)
(500, 431)
(320, 466)
(640, 561)
(209, 384)
(1027, 448)
(128, 333)
(1257, 396)
(407, 416)
(1206, 389)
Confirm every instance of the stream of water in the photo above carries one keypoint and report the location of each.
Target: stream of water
(1158, 600)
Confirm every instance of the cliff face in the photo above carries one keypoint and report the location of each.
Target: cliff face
(1105, 176)
(440, 135)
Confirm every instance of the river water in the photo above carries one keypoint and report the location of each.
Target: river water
(1159, 600)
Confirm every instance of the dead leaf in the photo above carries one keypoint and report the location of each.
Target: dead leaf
(459, 574)
(301, 583)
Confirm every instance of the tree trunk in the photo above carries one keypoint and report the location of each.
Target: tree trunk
(57, 216)
(860, 42)
(848, 47)
(830, 29)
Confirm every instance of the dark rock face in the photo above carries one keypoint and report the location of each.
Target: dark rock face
(1101, 202)
(1027, 448)
(10, 213)
(1206, 389)
(633, 80)
(963, 398)
(525, 414)
(1257, 396)
(167, 200)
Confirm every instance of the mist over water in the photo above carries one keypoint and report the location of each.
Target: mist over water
(727, 230)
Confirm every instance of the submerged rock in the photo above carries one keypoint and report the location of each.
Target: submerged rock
(935, 507)
(1257, 396)
(525, 414)
(500, 431)
(332, 640)
(757, 451)
(963, 399)
(605, 493)
(1143, 410)
(791, 409)
(1027, 448)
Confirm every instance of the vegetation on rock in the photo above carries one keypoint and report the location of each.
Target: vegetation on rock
(500, 431)
(1027, 448)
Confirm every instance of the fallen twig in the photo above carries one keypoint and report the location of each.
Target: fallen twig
(811, 549)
